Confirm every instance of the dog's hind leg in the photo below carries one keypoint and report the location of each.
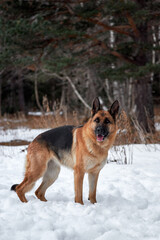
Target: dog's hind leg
(24, 187)
(49, 178)
(36, 165)
(29, 182)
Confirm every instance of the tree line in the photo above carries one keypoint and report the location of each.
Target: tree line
(75, 50)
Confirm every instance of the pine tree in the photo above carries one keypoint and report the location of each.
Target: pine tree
(113, 37)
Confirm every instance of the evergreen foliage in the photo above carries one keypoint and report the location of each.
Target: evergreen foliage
(113, 37)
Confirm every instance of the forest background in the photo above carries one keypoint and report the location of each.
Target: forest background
(65, 53)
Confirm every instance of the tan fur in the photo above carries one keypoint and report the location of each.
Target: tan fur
(87, 155)
(91, 156)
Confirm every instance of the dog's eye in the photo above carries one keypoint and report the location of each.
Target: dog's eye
(97, 120)
(106, 121)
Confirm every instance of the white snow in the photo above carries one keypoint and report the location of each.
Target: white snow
(19, 134)
(127, 208)
(40, 113)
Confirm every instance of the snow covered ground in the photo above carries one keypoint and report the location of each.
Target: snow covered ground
(19, 134)
(128, 198)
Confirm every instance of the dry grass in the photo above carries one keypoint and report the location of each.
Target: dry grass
(128, 131)
(47, 120)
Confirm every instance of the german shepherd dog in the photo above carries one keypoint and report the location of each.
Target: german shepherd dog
(83, 149)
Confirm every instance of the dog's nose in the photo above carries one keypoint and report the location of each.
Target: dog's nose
(99, 130)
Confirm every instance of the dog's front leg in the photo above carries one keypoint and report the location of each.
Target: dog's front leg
(92, 178)
(78, 184)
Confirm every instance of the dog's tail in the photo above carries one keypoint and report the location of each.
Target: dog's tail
(13, 188)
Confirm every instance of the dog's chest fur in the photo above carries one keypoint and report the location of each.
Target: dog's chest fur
(92, 155)
(95, 157)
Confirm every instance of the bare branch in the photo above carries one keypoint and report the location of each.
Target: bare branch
(133, 25)
(113, 28)
(77, 93)
(36, 93)
(72, 85)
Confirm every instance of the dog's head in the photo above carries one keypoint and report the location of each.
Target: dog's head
(103, 123)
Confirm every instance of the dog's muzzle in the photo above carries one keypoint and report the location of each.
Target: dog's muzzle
(101, 133)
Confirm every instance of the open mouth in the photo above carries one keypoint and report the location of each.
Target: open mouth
(100, 138)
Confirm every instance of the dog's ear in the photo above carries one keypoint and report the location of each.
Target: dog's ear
(96, 106)
(114, 109)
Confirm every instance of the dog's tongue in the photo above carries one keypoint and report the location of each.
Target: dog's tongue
(100, 138)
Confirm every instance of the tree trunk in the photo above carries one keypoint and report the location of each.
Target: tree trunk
(12, 96)
(21, 94)
(142, 86)
(144, 104)
(91, 80)
(36, 93)
(0, 95)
